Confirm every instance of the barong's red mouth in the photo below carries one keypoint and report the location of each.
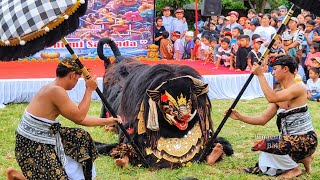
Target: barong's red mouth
(182, 125)
(180, 122)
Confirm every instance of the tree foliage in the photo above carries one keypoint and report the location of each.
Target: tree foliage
(233, 5)
(173, 4)
(258, 5)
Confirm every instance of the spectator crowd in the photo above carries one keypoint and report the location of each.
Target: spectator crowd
(237, 42)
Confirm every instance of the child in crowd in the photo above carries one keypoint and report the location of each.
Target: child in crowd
(300, 75)
(167, 19)
(228, 35)
(211, 32)
(166, 46)
(313, 85)
(314, 52)
(189, 46)
(177, 46)
(223, 54)
(275, 50)
(242, 53)
(158, 30)
(235, 33)
(197, 48)
(287, 40)
(234, 50)
(254, 55)
(179, 23)
(315, 62)
(210, 55)
(204, 48)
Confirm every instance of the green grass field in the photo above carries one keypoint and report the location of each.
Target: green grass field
(242, 136)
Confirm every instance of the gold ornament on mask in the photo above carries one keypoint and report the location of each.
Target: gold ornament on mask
(182, 100)
(179, 149)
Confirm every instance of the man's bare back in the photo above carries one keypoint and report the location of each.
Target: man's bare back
(42, 105)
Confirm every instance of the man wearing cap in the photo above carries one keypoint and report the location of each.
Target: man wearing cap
(44, 149)
(179, 24)
(296, 33)
(315, 62)
(234, 15)
(283, 10)
(297, 140)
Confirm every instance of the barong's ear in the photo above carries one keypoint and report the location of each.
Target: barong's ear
(199, 87)
(154, 95)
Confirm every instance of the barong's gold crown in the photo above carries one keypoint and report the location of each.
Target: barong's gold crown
(182, 100)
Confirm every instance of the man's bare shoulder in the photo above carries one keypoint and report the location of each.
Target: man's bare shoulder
(52, 90)
(299, 86)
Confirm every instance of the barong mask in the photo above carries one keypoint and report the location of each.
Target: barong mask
(174, 99)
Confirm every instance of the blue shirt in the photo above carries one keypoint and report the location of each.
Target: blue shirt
(189, 47)
(179, 25)
(231, 26)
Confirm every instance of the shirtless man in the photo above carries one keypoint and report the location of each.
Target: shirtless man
(297, 138)
(44, 150)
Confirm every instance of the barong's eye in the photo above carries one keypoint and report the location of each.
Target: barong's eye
(171, 107)
(166, 109)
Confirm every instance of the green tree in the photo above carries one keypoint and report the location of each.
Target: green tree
(233, 5)
(173, 4)
(259, 5)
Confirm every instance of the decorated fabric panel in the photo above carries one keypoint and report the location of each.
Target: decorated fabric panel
(21, 17)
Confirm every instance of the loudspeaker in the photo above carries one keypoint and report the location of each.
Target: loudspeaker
(211, 8)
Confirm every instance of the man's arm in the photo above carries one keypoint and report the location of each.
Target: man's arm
(292, 45)
(249, 63)
(262, 119)
(96, 121)
(67, 108)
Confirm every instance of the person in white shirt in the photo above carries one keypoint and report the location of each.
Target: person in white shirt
(313, 85)
(265, 31)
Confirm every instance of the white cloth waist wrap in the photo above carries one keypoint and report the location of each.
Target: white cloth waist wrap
(38, 129)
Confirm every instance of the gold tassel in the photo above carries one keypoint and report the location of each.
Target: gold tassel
(153, 123)
(141, 124)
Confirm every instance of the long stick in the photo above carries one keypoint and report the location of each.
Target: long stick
(104, 102)
(266, 52)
